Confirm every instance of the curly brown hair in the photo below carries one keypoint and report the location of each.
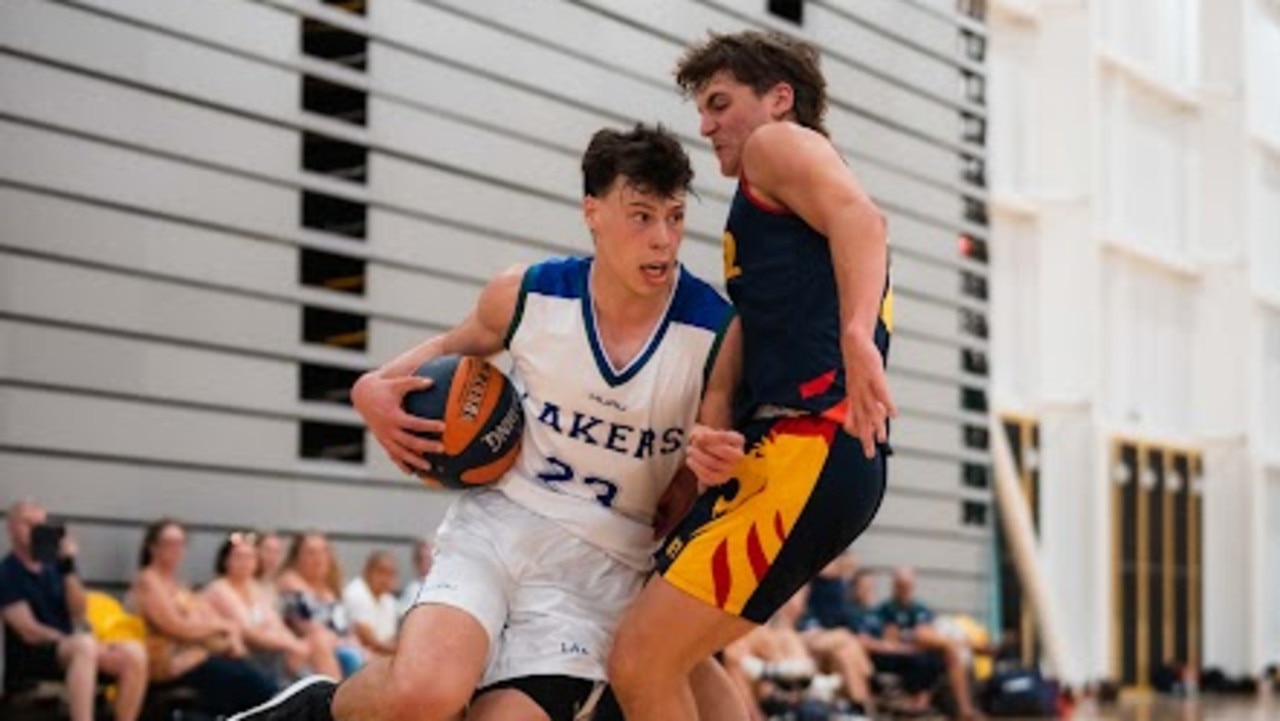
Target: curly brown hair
(761, 60)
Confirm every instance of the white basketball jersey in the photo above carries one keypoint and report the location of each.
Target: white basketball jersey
(601, 443)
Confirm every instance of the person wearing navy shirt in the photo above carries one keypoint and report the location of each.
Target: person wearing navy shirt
(907, 621)
(919, 670)
(901, 614)
(42, 604)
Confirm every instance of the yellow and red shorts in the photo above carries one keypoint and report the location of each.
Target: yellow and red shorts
(802, 494)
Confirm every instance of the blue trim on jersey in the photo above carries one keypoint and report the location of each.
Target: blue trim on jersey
(559, 277)
(611, 377)
(699, 305)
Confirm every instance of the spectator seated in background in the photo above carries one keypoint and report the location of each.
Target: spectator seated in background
(237, 596)
(909, 623)
(775, 667)
(42, 602)
(188, 643)
(421, 566)
(371, 605)
(270, 548)
(917, 671)
(309, 590)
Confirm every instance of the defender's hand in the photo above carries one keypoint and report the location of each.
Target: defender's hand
(869, 405)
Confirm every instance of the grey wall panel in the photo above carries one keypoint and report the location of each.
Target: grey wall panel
(474, 150)
(388, 339)
(931, 475)
(92, 42)
(83, 104)
(924, 239)
(953, 593)
(58, 421)
(925, 434)
(434, 301)
(843, 32)
(492, 103)
(247, 27)
(890, 550)
(913, 391)
(939, 280)
(531, 64)
(921, 316)
(100, 363)
(907, 510)
(138, 493)
(71, 165)
(466, 200)
(904, 20)
(626, 49)
(472, 254)
(57, 292)
(486, 206)
(56, 226)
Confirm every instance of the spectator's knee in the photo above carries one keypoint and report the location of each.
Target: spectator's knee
(81, 645)
(135, 657)
(322, 639)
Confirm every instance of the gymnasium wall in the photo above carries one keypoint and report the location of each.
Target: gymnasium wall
(214, 213)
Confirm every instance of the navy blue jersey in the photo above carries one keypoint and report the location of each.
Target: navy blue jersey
(778, 272)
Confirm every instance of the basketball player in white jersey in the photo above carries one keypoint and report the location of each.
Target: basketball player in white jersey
(613, 356)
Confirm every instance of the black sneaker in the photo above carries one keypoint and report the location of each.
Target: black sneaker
(307, 699)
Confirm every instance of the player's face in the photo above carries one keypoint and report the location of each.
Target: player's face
(637, 237)
(731, 111)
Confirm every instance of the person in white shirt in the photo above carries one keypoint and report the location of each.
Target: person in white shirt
(421, 565)
(371, 603)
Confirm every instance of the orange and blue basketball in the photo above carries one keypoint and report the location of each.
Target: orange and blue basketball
(483, 420)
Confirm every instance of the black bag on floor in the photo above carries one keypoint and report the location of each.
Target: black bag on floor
(1019, 692)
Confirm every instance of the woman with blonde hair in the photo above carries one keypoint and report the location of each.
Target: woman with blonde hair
(311, 590)
(237, 596)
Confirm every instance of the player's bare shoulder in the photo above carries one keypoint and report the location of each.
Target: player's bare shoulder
(775, 143)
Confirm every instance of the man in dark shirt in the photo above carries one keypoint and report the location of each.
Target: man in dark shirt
(41, 604)
(918, 670)
(908, 622)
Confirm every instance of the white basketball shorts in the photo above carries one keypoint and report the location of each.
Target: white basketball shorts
(549, 601)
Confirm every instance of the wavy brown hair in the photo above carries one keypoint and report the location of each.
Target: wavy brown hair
(761, 60)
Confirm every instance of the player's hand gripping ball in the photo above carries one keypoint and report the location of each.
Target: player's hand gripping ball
(483, 421)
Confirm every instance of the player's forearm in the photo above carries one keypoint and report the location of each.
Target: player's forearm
(859, 257)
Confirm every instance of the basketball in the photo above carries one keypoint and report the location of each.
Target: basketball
(482, 417)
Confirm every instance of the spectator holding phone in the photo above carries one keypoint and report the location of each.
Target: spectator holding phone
(43, 604)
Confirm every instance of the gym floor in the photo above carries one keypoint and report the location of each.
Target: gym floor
(1151, 708)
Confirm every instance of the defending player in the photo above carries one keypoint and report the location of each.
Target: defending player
(806, 267)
